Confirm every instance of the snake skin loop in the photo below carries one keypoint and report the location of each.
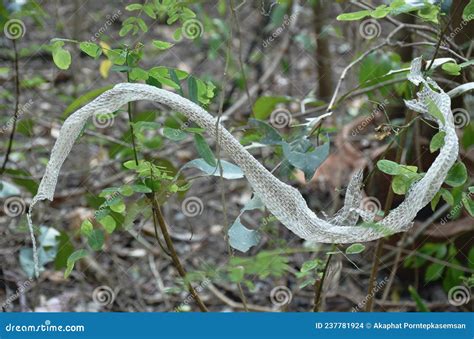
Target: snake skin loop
(283, 201)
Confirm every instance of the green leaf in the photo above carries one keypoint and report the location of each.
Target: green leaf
(162, 45)
(420, 304)
(437, 141)
(457, 175)
(355, 248)
(193, 90)
(434, 110)
(447, 196)
(310, 265)
(65, 249)
(117, 56)
(61, 57)
(388, 167)
(86, 227)
(468, 12)
(353, 16)
(96, 240)
(434, 272)
(138, 74)
(468, 204)
(307, 162)
(125, 30)
(134, 7)
(236, 274)
(380, 12)
(118, 207)
(204, 150)
(241, 238)
(73, 258)
(90, 49)
(264, 105)
(270, 136)
(451, 68)
(174, 134)
(229, 171)
(109, 223)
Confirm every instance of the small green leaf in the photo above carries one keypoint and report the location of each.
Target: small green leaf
(204, 150)
(420, 304)
(174, 134)
(353, 16)
(236, 274)
(434, 272)
(241, 238)
(71, 261)
(468, 204)
(61, 57)
(138, 74)
(434, 110)
(109, 223)
(451, 68)
(468, 12)
(134, 7)
(162, 45)
(355, 248)
(90, 49)
(437, 141)
(118, 207)
(457, 175)
(388, 167)
(96, 240)
(86, 227)
(193, 89)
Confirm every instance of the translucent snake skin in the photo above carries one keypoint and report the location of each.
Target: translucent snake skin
(283, 201)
